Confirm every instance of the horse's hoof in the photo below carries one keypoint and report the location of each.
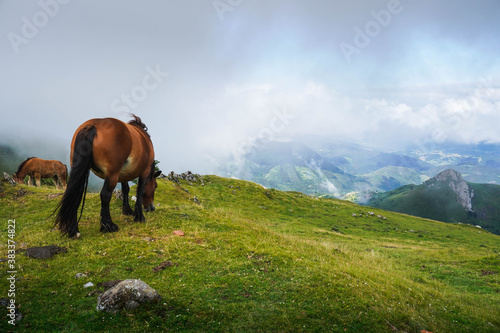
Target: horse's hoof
(139, 219)
(129, 212)
(109, 228)
(76, 236)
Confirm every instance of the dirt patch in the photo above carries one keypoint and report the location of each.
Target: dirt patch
(163, 265)
(44, 252)
(108, 284)
(103, 287)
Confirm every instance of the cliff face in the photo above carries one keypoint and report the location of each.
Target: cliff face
(455, 181)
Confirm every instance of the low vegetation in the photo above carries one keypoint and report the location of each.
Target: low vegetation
(252, 259)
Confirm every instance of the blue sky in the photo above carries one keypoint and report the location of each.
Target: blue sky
(209, 77)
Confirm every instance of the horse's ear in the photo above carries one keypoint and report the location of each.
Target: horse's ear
(157, 173)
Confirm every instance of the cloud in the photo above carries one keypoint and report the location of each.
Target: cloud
(432, 69)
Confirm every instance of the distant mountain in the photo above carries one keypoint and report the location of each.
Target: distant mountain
(476, 173)
(391, 177)
(292, 166)
(358, 159)
(477, 163)
(293, 153)
(382, 160)
(325, 166)
(446, 197)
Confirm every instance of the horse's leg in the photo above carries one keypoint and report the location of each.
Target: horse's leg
(30, 183)
(56, 181)
(107, 224)
(38, 179)
(126, 210)
(63, 181)
(138, 214)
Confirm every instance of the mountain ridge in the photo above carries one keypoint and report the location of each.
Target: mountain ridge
(446, 197)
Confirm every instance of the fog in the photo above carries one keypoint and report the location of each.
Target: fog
(210, 77)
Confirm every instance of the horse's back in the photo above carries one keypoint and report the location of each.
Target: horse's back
(119, 148)
(45, 168)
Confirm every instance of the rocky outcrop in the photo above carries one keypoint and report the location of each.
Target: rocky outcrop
(187, 176)
(455, 181)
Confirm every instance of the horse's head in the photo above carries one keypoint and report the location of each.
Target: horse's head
(17, 179)
(149, 193)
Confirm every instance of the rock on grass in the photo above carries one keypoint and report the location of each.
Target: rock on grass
(128, 294)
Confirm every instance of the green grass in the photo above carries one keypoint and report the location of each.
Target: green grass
(254, 259)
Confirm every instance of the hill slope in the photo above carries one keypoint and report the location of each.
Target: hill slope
(254, 259)
(446, 197)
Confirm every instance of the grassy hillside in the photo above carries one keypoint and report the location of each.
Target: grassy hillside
(254, 259)
(438, 202)
(486, 203)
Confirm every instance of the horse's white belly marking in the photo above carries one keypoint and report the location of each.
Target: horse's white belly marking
(126, 167)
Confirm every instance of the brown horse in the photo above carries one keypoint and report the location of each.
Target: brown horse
(116, 152)
(37, 168)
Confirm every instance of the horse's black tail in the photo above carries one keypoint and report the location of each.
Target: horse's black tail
(67, 210)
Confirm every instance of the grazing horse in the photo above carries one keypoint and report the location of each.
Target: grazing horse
(37, 168)
(116, 152)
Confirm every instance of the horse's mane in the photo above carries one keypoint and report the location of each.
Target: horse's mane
(21, 166)
(138, 122)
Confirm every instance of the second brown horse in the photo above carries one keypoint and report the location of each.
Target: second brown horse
(38, 168)
(116, 152)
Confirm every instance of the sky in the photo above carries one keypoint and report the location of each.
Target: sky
(210, 77)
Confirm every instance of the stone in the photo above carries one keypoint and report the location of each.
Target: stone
(187, 176)
(128, 294)
(88, 285)
(8, 178)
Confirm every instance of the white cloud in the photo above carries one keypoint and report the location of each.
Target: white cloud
(433, 69)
